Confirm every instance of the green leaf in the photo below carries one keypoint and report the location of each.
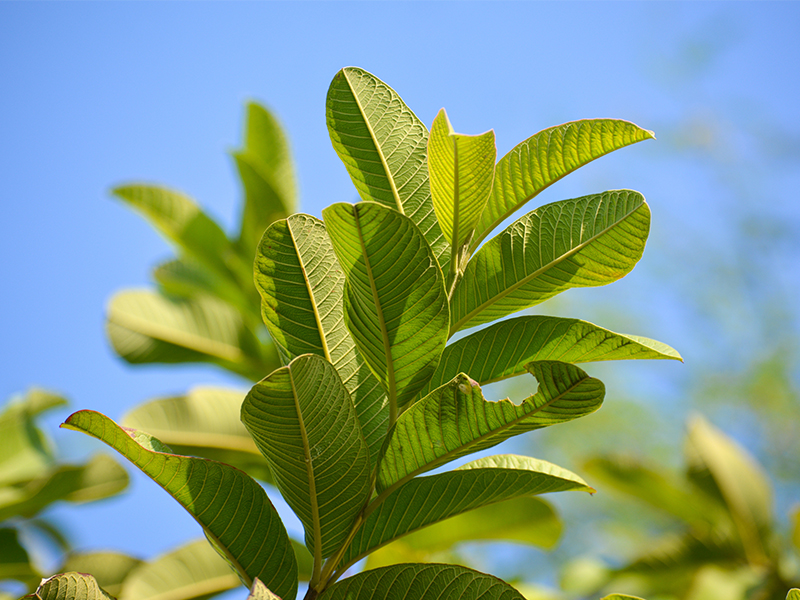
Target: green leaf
(793, 594)
(99, 478)
(525, 519)
(656, 488)
(301, 286)
(795, 535)
(583, 242)
(546, 157)
(502, 350)
(205, 422)
(181, 221)
(232, 508)
(421, 582)
(25, 452)
(395, 302)
(15, 563)
(303, 421)
(144, 327)
(384, 147)
(267, 174)
(191, 572)
(741, 481)
(461, 171)
(260, 592)
(71, 586)
(109, 568)
(427, 500)
(620, 597)
(305, 562)
(455, 419)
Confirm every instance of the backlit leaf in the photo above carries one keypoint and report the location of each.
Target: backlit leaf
(384, 147)
(584, 242)
(232, 508)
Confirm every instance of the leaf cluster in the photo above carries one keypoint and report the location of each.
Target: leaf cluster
(365, 390)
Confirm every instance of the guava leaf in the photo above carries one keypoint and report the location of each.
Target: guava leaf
(395, 303)
(384, 147)
(455, 419)
(232, 508)
(544, 158)
(304, 423)
(584, 242)
(301, 286)
(74, 586)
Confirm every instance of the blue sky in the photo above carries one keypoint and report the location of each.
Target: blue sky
(97, 94)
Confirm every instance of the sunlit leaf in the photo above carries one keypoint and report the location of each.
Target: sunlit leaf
(455, 419)
(620, 597)
(232, 508)
(260, 592)
(303, 421)
(301, 286)
(546, 157)
(191, 572)
(424, 501)
(267, 174)
(461, 170)
(395, 302)
(421, 582)
(181, 221)
(145, 327)
(70, 586)
(384, 147)
(205, 422)
(793, 594)
(584, 242)
(502, 350)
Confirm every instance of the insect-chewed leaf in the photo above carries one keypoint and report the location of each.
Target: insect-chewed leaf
(419, 502)
(583, 242)
(395, 301)
(303, 421)
(384, 147)
(301, 286)
(502, 350)
(232, 508)
(546, 157)
(421, 582)
(455, 419)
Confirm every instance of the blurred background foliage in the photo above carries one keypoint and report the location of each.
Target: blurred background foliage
(720, 268)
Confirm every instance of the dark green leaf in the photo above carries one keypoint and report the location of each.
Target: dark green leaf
(231, 507)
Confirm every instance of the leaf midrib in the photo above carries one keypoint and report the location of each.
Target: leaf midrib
(378, 149)
(525, 280)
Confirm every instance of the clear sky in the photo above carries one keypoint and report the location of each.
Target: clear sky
(97, 94)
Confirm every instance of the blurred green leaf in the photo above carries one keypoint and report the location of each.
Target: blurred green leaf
(793, 594)
(455, 419)
(182, 222)
(15, 562)
(101, 477)
(395, 304)
(205, 422)
(145, 327)
(223, 500)
(303, 421)
(383, 145)
(584, 242)
(109, 568)
(192, 572)
(544, 158)
(741, 481)
(301, 286)
(267, 174)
